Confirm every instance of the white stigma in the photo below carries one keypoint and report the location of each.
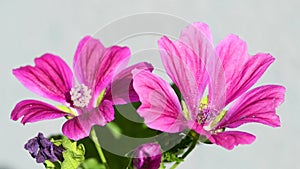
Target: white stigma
(80, 95)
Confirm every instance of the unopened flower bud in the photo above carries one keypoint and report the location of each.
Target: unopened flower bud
(42, 149)
(147, 156)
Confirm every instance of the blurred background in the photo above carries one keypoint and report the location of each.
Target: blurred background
(33, 27)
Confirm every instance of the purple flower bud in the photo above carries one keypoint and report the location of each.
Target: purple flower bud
(147, 156)
(42, 149)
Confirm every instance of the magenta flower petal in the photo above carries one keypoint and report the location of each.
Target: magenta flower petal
(114, 60)
(229, 139)
(233, 52)
(121, 90)
(74, 130)
(242, 71)
(82, 46)
(193, 34)
(80, 126)
(257, 105)
(185, 69)
(249, 75)
(87, 59)
(33, 111)
(160, 106)
(233, 55)
(217, 82)
(95, 65)
(50, 77)
(197, 37)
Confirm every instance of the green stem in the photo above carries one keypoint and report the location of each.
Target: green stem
(98, 147)
(175, 165)
(190, 149)
(129, 164)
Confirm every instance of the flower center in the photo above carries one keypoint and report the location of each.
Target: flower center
(209, 117)
(206, 114)
(80, 95)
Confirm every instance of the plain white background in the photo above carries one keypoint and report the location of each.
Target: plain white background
(33, 27)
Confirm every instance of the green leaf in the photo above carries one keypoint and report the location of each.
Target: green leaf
(91, 163)
(174, 154)
(180, 147)
(90, 149)
(51, 165)
(73, 154)
(170, 157)
(162, 166)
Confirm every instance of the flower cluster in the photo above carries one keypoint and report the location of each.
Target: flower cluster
(210, 96)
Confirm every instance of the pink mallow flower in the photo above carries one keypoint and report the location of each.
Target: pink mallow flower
(193, 63)
(101, 82)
